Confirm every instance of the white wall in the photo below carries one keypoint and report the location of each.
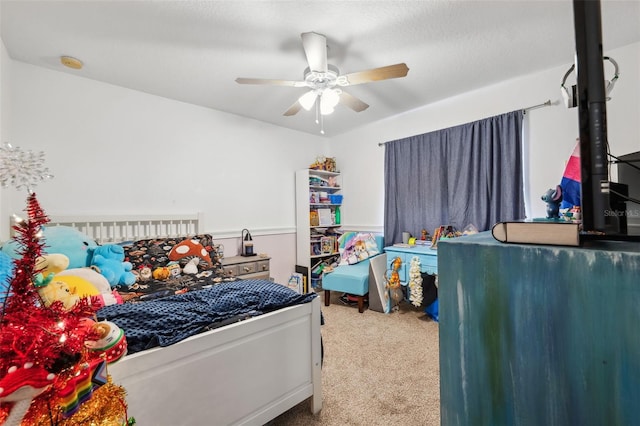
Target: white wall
(113, 150)
(551, 133)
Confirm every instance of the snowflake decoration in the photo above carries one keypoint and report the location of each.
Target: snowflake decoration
(415, 282)
(21, 169)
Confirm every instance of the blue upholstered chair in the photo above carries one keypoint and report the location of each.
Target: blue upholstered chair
(351, 279)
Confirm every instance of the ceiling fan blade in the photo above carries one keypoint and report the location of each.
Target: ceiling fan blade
(352, 102)
(293, 109)
(315, 48)
(271, 82)
(375, 74)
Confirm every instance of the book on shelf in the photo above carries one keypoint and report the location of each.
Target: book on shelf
(327, 245)
(559, 233)
(324, 216)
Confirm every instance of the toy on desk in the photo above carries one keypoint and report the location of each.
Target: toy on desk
(553, 198)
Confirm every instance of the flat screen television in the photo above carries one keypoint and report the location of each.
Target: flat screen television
(601, 215)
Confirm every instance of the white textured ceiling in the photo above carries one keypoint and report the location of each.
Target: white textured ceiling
(192, 51)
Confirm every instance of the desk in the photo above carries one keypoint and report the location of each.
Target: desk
(428, 260)
(538, 335)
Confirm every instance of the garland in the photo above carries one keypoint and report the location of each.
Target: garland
(415, 282)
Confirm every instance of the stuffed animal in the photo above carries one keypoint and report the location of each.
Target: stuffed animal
(161, 273)
(52, 263)
(109, 261)
(6, 272)
(109, 251)
(115, 271)
(54, 290)
(191, 267)
(553, 198)
(61, 239)
(106, 296)
(189, 249)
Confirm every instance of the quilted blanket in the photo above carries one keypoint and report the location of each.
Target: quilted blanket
(165, 321)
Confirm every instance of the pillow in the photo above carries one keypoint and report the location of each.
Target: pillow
(152, 254)
(357, 248)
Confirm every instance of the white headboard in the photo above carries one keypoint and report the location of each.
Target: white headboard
(118, 228)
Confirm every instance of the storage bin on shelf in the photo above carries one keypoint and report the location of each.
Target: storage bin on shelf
(335, 198)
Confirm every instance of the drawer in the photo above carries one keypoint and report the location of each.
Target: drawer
(230, 271)
(247, 268)
(263, 265)
(429, 264)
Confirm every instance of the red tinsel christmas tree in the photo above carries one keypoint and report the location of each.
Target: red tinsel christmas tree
(40, 346)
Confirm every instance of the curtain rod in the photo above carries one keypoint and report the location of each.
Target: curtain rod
(544, 104)
(524, 111)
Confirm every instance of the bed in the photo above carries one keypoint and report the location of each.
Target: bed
(243, 373)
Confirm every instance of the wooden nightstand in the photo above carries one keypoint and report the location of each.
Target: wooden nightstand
(249, 267)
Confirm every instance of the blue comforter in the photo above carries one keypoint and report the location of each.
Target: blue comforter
(165, 321)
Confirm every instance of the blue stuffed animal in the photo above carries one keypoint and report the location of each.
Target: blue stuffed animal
(65, 240)
(553, 198)
(109, 261)
(6, 273)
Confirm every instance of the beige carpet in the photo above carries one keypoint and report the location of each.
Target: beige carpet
(379, 369)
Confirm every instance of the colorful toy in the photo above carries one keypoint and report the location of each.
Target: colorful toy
(553, 198)
(53, 291)
(106, 296)
(110, 341)
(189, 249)
(6, 271)
(109, 261)
(161, 273)
(52, 263)
(64, 240)
(115, 271)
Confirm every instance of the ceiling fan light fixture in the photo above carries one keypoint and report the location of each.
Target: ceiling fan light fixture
(308, 100)
(326, 110)
(321, 79)
(328, 101)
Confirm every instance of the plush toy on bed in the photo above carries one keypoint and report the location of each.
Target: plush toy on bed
(52, 290)
(52, 263)
(6, 272)
(106, 295)
(109, 261)
(76, 280)
(74, 244)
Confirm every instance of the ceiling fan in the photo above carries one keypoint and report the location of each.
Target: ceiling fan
(325, 82)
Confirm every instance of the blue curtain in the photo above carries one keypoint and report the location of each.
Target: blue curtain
(468, 174)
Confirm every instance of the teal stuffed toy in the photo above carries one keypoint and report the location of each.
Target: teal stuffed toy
(109, 261)
(66, 240)
(6, 273)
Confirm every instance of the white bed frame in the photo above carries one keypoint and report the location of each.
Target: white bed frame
(245, 373)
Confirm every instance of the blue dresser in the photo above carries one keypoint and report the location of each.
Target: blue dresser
(539, 335)
(428, 260)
